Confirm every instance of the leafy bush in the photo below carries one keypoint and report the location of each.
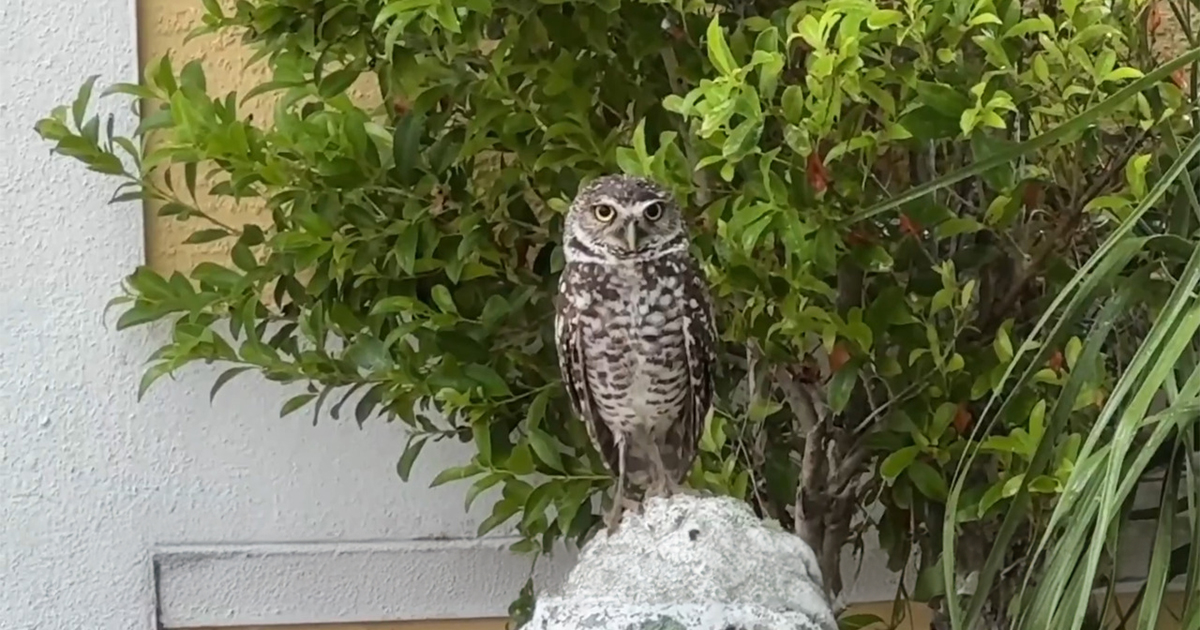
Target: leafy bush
(886, 197)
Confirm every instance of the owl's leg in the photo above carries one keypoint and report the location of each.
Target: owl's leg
(661, 483)
(613, 518)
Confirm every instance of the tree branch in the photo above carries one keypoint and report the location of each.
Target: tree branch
(1063, 234)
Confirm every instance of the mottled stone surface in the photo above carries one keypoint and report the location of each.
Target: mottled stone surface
(690, 563)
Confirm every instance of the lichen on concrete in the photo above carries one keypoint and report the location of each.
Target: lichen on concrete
(690, 563)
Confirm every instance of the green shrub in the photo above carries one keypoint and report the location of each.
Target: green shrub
(885, 196)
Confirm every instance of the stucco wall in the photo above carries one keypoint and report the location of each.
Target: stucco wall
(299, 523)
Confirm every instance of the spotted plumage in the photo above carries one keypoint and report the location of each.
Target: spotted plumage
(635, 334)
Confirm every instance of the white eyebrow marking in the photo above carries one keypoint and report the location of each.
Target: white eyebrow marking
(610, 202)
(636, 209)
(641, 207)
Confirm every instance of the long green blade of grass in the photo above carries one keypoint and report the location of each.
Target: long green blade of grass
(1191, 591)
(1115, 308)
(1169, 337)
(1157, 575)
(1098, 268)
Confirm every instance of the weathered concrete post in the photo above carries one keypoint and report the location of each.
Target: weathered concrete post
(690, 563)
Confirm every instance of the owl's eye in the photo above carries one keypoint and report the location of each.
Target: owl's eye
(654, 211)
(604, 213)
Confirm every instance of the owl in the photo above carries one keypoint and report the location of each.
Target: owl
(635, 335)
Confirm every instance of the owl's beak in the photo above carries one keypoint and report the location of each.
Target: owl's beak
(631, 235)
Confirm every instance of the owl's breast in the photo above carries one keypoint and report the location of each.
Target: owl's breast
(636, 355)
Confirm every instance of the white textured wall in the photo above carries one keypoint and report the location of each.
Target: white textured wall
(93, 483)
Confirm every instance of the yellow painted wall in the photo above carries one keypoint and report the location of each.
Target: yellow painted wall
(162, 26)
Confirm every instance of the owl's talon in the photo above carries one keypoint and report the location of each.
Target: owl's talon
(612, 520)
(613, 517)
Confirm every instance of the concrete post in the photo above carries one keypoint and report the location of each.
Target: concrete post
(690, 563)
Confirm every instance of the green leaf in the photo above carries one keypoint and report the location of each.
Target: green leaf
(1040, 24)
(479, 487)
(984, 18)
(1003, 346)
(569, 503)
(1135, 174)
(898, 462)
(942, 418)
(411, 451)
(928, 480)
(520, 461)
(79, 107)
(493, 385)
(943, 98)
(793, 104)
(366, 405)
(537, 502)
(455, 473)
(1037, 419)
(957, 226)
(224, 378)
(243, 257)
(163, 75)
(216, 275)
(1071, 353)
(294, 403)
(883, 18)
(337, 82)
(152, 374)
(206, 236)
(213, 8)
(406, 145)
(537, 410)
(481, 432)
(369, 354)
(501, 512)
(139, 313)
(406, 247)
(445, 15)
(1111, 255)
(192, 77)
(841, 386)
(546, 449)
(860, 621)
(930, 583)
(443, 299)
(494, 311)
(397, 304)
(718, 49)
(1123, 74)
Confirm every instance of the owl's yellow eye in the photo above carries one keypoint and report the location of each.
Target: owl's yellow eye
(654, 211)
(604, 213)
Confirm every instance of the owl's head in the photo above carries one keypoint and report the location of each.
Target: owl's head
(623, 217)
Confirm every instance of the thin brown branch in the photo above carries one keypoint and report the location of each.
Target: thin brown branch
(1064, 233)
(798, 398)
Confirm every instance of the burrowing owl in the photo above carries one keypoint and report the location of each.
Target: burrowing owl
(635, 334)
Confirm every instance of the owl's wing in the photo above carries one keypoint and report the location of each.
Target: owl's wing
(572, 364)
(699, 338)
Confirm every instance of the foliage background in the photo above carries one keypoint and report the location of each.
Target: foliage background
(412, 249)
